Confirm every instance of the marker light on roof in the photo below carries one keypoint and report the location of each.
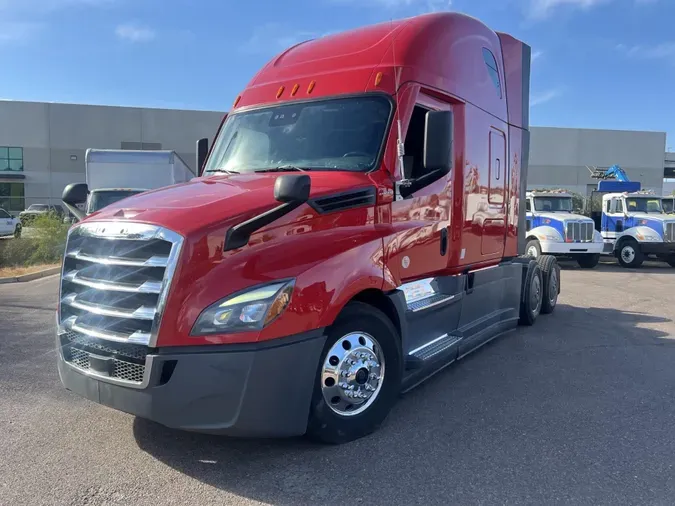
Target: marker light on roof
(295, 89)
(236, 101)
(311, 87)
(378, 78)
(280, 91)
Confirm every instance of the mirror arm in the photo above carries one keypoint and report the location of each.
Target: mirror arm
(75, 211)
(412, 185)
(239, 235)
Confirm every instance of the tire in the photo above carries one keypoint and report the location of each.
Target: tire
(368, 330)
(531, 300)
(550, 273)
(17, 231)
(589, 260)
(533, 248)
(629, 254)
(670, 261)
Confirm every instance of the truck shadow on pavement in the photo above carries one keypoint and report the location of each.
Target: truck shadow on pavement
(577, 408)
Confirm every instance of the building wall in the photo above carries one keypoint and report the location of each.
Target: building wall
(559, 156)
(54, 138)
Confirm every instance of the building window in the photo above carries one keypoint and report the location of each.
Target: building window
(493, 70)
(11, 159)
(12, 197)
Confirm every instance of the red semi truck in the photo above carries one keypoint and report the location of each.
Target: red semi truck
(357, 227)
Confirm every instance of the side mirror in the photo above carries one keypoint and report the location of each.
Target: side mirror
(202, 152)
(74, 194)
(292, 189)
(438, 141)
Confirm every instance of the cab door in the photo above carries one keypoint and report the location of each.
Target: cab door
(613, 220)
(418, 246)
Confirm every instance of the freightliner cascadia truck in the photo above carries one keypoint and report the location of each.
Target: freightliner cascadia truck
(358, 225)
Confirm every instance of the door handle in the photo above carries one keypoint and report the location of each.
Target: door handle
(444, 241)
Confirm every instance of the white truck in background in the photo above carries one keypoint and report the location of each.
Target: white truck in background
(114, 174)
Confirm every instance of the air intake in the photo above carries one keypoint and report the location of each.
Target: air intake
(342, 201)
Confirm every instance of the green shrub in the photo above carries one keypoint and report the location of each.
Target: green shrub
(43, 243)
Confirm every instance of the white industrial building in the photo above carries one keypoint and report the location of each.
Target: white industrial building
(559, 157)
(42, 147)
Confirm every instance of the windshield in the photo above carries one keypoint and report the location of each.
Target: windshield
(99, 200)
(643, 205)
(37, 207)
(667, 205)
(336, 134)
(553, 204)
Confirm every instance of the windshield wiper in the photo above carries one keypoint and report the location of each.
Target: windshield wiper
(283, 168)
(226, 171)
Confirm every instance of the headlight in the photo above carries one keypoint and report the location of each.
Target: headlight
(550, 238)
(252, 309)
(648, 237)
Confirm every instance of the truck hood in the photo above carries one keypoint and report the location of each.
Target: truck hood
(563, 216)
(216, 200)
(652, 216)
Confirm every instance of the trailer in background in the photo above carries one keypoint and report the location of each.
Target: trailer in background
(114, 174)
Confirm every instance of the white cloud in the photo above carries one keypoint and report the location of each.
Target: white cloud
(543, 97)
(541, 9)
(536, 55)
(133, 32)
(664, 51)
(17, 32)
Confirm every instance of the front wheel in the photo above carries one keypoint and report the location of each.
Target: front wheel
(533, 248)
(359, 376)
(629, 254)
(17, 231)
(589, 260)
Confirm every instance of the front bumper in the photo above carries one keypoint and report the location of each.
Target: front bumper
(261, 390)
(571, 248)
(658, 248)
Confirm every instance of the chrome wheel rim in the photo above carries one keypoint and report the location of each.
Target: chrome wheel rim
(628, 254)
(532, 251)
(352, 374)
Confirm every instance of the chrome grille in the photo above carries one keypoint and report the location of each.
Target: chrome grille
(127, 361)
(669, 231)
(115, 280)
(579, 231)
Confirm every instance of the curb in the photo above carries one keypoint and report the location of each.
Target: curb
(31, 276)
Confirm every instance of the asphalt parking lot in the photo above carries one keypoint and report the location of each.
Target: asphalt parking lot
(575, 410)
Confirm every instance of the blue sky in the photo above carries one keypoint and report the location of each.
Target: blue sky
(597, 63)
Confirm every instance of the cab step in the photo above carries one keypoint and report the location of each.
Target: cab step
(430, 351)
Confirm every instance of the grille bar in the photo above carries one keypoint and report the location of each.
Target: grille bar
(155, 261)
(141, 313)
(138, 336)
(101, 284)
